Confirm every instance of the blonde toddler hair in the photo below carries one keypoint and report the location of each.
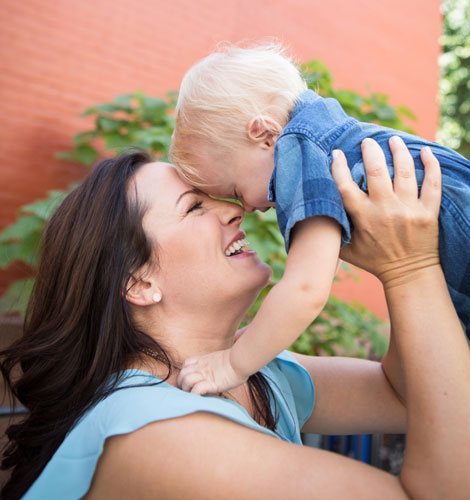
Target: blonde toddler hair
(221, 93)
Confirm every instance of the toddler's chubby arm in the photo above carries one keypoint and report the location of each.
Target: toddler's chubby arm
(291, 305)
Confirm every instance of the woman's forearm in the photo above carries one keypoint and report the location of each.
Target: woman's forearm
(396, 238)
(436, 366)
(393, 369)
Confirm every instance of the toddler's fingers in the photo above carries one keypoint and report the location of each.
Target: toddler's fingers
(431, 189)
(190, 361)
(379, 183)
(348, 189)
(404, 184)
(190, 380)
(202, 388)
(185, 372)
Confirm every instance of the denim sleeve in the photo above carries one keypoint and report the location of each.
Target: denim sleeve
(302, 185)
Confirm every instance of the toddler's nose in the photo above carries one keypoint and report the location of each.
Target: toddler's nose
(248, 207)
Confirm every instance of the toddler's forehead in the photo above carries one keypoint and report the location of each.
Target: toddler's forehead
(214, 170)
(208, 167)
(204, 179)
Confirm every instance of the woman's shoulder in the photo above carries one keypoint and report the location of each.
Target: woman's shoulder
(140, 399)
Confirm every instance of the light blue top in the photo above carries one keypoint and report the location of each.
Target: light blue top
(69, 473)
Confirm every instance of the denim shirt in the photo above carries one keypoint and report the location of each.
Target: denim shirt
(302, 186)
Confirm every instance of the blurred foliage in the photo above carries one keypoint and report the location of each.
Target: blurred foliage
(372, 108)
(20, 241)
(138, 120)
(455, 77)
(129, 120)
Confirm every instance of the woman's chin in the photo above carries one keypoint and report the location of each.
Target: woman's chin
(264, 274)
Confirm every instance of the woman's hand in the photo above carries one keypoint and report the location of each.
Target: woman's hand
(395, 232)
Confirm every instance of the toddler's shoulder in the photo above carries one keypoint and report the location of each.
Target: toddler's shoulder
(315, 116)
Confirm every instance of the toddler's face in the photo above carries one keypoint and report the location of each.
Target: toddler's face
(243, 175)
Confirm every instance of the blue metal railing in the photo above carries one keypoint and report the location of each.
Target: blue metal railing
(357, 446)
(384, 451)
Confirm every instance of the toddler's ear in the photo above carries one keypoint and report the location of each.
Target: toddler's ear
(263, 130)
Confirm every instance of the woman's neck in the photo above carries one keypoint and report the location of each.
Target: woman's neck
(191, 335)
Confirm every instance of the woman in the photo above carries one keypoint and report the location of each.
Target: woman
(134, 279)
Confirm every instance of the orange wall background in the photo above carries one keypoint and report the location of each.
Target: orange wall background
(57, 58)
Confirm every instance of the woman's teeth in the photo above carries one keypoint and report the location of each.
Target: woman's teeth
(236, 247)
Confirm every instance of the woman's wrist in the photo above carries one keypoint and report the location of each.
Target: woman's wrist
(404, 271)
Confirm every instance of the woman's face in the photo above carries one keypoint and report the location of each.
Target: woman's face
(191, 234)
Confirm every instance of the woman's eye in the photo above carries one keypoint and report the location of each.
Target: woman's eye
(196, 206)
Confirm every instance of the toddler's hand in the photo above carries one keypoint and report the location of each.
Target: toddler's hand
(209, 374)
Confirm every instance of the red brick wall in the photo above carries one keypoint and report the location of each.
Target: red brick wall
(59, 57)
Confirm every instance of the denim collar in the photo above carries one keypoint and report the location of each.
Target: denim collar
(304, 99)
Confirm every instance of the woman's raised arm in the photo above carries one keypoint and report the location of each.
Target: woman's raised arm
(396, 238)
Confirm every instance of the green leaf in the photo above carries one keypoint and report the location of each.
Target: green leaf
(385, 112)
(124, 100)
(172, 97)
(106, 108)
(404, 111)
(29, 248)
(116, 141)
(85, 136)
(153, 138)
(9, 252)
(152, 108)
(22, 227)
(85, 154)
(15, 299)
(107, 124)
(44, 208)
(65, 155)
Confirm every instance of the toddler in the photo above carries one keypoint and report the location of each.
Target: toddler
(248, 128)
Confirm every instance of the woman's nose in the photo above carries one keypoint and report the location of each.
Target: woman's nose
(231, 213)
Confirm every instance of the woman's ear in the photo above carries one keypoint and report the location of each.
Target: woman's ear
(263, 130)
(143, 291)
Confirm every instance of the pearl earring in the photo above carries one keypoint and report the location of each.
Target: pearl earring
(157, 297)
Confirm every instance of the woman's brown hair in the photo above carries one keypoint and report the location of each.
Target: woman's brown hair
(78, 333)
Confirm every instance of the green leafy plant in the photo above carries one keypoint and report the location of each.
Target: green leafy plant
(20, 241)
(129, 120)
(454, 128)
(372, 108)
(142, 121)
